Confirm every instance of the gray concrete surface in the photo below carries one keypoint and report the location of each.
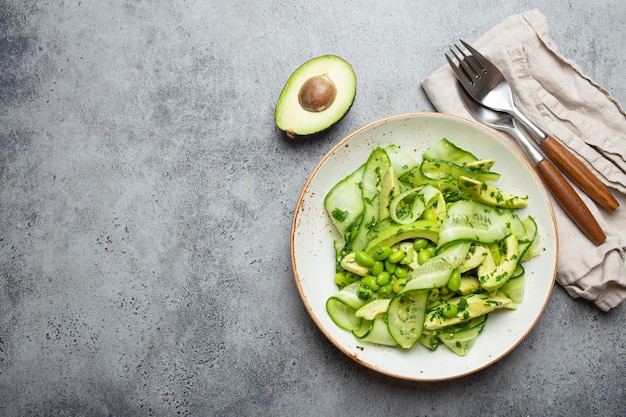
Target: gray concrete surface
(146, 200)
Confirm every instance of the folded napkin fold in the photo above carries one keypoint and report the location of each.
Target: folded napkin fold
(555, 93)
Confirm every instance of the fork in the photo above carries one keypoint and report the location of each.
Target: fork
(487, 85)
(562, 191)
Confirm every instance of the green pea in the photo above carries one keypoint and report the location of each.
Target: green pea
(382, 253)
(364, 293)
(408, 257)
(398, 284)
(340, 279)
(400, 272)
(363, 259)
(454, 282)
(390, 266)
(383, 278)
(385, 289)
(378, 267)
(450, 310)
(420, 243)
(396, 256)
(352, 277)
(423, 256)
(430, 214)
(370, 281)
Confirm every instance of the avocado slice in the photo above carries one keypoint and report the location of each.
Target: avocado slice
(399, 232)
(469, 307)
(494, 276)
(488, 194)
(317, 95)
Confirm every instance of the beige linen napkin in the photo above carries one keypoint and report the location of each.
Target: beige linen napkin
(553, 92)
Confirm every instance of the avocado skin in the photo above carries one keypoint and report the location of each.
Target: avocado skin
(295, 136)
(297, 122)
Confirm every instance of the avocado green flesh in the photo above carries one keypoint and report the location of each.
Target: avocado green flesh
(293, 119)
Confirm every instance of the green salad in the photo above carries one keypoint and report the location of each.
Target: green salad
(427, 249)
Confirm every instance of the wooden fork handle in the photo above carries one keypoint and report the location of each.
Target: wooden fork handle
(579, 173)
(571, 201)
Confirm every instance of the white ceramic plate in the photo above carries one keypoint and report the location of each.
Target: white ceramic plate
(313, 254)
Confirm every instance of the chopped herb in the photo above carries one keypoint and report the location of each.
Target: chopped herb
(340, 215)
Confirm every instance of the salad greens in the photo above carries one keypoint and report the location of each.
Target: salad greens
(427, 249)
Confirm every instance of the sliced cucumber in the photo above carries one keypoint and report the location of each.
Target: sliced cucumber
(342, 307)
(444, 149)
(470, 221)
(461, 340)
(342, 314)
(364, 329)
(514, 287)
(436, 169)
(344, 202)
(528, 245)
(455, 254)
(374, 171)
(433, 198)
(401, 161)
(378, 333)
(405, 317)
(429, 340)
(435, 272)
(407, 207)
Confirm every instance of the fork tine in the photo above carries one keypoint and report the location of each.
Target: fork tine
(480, 58)
(469, 63)
(468, 66)
(461, 75)
(470, 73)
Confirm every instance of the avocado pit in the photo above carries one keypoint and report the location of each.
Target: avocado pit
(317, 94)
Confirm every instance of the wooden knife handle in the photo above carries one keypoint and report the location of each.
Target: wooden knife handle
(579, 173)
(571, 201)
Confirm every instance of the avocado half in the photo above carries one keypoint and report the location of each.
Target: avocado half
(317, 95)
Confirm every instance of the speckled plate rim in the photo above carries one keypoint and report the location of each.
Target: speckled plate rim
(312, 253)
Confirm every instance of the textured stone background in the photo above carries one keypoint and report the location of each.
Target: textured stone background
(146, 200)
